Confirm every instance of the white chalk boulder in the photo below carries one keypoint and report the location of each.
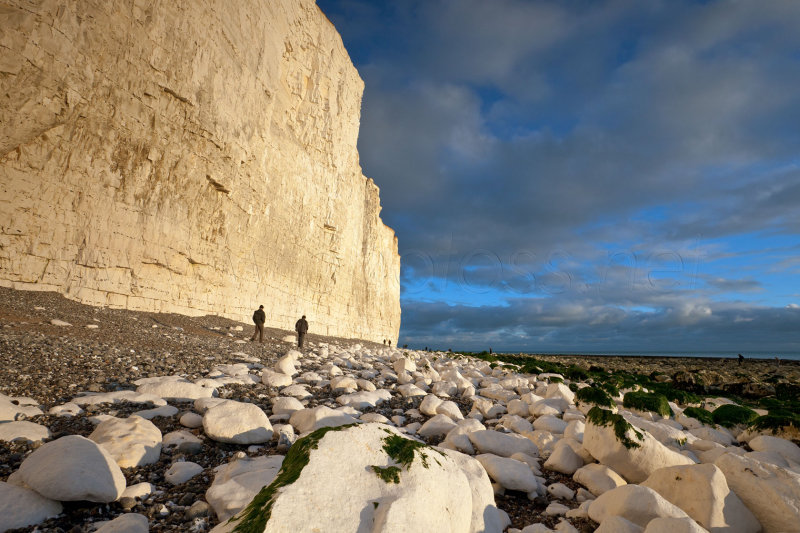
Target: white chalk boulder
(509, 473)
(598, 478)
(131, 441)
(365, 399)
(173, 388)
(73, 468)
(127, 523)
(286, 405)
(550, 423)
(11, 407)
(237, 423)
(769, 444)
(502, 444)
(438, 426)
(20, 507)
(770, 492)
(181, 472)
(430, 490)
(271, 378)
(635, 455)
(635, 503)
(563, 459)
(23, 430)
(236, 483)
(701, 491)
(322, 416)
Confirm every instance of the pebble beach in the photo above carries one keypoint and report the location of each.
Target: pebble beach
(56, 353)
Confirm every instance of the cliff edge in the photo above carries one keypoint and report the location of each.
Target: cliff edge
(194, 158)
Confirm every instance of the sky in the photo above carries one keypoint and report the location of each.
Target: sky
(586, 175)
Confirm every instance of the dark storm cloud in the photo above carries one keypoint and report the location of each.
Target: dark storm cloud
(525, 147)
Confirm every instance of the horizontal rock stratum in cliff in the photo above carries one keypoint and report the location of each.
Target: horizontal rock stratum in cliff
(192, 158)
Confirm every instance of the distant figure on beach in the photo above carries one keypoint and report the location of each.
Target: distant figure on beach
(741, 358)
(490, 350)
(259, 317)
(301, 327)
(777, 361)
(384, 342)
(390, 342)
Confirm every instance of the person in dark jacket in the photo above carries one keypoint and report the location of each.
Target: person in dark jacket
(259, 317)
(301, 327)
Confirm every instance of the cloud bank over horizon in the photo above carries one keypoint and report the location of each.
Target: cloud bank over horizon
(590, 176)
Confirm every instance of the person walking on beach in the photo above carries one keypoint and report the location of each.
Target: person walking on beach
(741, 359)
(259, 317)
(301, 327)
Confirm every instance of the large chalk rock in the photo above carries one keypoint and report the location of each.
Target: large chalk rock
(642, 456)
(275, 379)
(181, 472)
(785, 448)
(635, 503)
(427, 490)
(322, 416)
(770, 492)
(509, 473)
(131, 441)
(73, 468)
(23, 430)
(286, 405)
(237, 423)
(598, 478)
(458, 438)
(563, 459)
(182, 440)
(701, 491)
(365, 399)
(20, 507)
(550, 423)
(502, 444)
(173, 388)
(236, 483)
(127, 523)
(438, 426)
(11, 408)
(559, 390)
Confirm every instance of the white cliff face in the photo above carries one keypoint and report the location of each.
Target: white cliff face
(197, 159)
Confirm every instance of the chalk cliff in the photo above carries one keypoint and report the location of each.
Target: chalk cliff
(190, 157)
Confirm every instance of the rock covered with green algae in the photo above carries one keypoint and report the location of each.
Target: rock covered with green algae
(631, 453)
(369, 477)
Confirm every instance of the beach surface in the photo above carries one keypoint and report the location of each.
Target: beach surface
(55, 349)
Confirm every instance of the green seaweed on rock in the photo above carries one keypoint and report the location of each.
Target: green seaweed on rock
(675, 395)
(703, 415)
(647, 401)
(603, 417)
(787, 391)
(775, 421)
(403, 450)
(595, 396)
(576, 373)
(730, 415)
(389, 474)
(257, 513)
